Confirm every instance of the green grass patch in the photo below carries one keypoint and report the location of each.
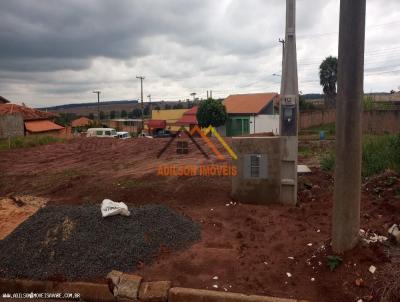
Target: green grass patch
(334, 262)
(329, 129)
(313, 133)
(135, 183)
(28, 141)
(52, 180)
(379, 154)
(327, 161)
(305, 151)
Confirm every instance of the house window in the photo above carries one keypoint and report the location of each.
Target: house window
(255, 166)
(182, 147)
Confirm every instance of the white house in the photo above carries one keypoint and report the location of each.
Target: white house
(251, 114)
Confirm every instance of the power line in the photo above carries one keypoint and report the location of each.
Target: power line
(336, 32)
(383, 72)
(316, 60)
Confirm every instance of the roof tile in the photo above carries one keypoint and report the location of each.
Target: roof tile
(248, 103)
(82, 121)
(26, 112)
(41, 126)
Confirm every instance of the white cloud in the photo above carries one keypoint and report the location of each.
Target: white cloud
(58, 52)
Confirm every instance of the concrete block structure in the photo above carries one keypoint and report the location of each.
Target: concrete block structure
(11, 125)
(258, 180)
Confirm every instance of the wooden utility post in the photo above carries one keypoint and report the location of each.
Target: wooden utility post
(346, 208)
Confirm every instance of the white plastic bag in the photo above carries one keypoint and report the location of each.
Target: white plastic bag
(111, 208)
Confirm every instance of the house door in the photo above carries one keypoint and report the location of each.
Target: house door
(238, 126)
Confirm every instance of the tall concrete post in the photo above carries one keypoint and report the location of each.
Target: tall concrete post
(346, 208)
(289, 111)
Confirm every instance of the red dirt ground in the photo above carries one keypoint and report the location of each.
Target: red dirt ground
(245, 246)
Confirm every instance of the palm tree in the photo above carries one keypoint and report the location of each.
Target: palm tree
(328, 79)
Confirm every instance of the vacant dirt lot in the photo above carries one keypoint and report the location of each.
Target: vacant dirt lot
(249, 248)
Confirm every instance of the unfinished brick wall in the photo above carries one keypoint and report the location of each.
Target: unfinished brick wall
(374, 121)
(381, 121)
(310, 119)
(11, 125)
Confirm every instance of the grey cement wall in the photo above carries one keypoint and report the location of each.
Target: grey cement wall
(11, 125)
(252, 190)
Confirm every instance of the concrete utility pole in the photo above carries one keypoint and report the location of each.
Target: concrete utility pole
(346, 208)
(141, 78)
(289, 111)
(282, 41)
(283, 47)
(98, 103)
(150, 109)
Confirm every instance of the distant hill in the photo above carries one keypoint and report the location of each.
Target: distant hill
(313, 96)
(85, 109)
(92, 104)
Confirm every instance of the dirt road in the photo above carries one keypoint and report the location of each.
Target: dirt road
(251, 249)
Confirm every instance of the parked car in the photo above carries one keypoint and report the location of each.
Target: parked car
(101, 132)
(163, 133)
(144, 135)
(123, 135)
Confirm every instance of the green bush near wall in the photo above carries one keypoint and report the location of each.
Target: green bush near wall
(379, 154)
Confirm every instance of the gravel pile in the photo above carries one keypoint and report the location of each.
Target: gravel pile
(75, 242)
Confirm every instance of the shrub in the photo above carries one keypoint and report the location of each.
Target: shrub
(305, 151)
(368, 103)
(379, 154)
(327, 161)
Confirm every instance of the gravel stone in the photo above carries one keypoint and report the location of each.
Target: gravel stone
(74, 242)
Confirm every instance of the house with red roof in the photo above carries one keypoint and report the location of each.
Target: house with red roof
(35, 122)
(188, 119)
(81, 122)
(250, 114)
(153, 126)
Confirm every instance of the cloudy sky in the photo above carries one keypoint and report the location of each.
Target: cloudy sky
(56, 52)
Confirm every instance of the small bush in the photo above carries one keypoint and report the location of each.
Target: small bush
(333, 262)
(376, 155)
(28, 141)
(305, 151)
(379, 154)
(395, 152)
(327, 161)
(368, 103)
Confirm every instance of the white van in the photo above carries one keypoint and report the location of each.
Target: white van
(123, 135)
(101, 132)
